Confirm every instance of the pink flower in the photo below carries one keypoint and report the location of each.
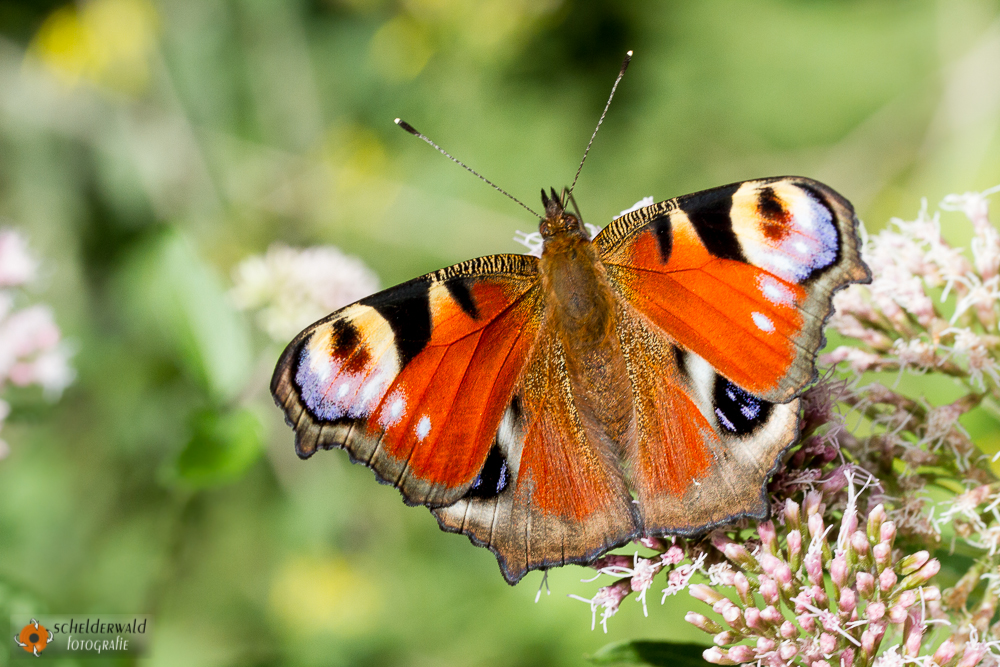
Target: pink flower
(17, 266)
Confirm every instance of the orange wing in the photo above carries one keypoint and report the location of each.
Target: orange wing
(741, 275)
(724, 295)
(413, 381)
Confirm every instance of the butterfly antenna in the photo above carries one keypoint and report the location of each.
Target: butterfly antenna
(412, 130)
(621, 73)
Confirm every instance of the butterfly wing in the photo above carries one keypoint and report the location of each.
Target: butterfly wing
(565, 500)
(729, 289)
(740, 275)
(413, 381)
(452, 389)
(703, 447)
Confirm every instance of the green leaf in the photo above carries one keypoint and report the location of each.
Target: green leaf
(178, 300)
(223, 446)
(644, 652)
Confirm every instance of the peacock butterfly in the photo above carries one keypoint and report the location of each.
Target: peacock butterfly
(643, 382)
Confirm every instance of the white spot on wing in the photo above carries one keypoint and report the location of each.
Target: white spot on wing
(423, 427)
(763, 322)
(392, 409)
(775, 292)
(344, 388)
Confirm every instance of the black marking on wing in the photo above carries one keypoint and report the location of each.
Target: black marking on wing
(680, 360)
(407, 309)
(769, 205)
(818, 196)
(664, 235)
(516, 410)
(493, 478)
(461, 291)
(709, 212)
(738, 411)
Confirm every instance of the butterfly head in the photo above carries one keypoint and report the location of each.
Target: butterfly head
(557, 220)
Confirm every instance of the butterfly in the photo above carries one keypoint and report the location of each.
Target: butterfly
(643, 382)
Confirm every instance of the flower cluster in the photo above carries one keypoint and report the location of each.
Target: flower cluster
(843, 574)
(290, 288)
(31, 347)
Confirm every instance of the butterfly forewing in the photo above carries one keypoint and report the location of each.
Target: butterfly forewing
(413, 381)
(740, 275)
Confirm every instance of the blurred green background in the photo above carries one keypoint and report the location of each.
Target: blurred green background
(147, 146)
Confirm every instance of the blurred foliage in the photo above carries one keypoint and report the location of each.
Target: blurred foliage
(146, 146)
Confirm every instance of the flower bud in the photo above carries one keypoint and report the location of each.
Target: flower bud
(808, 624)
(722, 605)
(945, 652)
(827, 643)
(787, 651)
(921, 576)
(866, 584)
(913, 639)
(859, 542)
(908, 599)
(772, 615)
(813, 503)
(792, 518)
(765, 644)
(974, 652)
(741, 653)
(783, 575)
(816, 526)
(875, 519)
(768, 563)
(847, 601)
(795, 549)
(875, 611)
(768, 590)
(814, 567)
(673, 556)
(706, 594)
(788, 630)
(727, 637)
(888, 532)
(887, 580)
(838, 570)
(820, 663)
(883, 555)
(849, 523)
(717, 656)
(702, 623)
(739, 555)
(897, 613)
(869, 639)
(913, 562)
(768, 536)
(753, 619)
(733, 616)
(742, 585)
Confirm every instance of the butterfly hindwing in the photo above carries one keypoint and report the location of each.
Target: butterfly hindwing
(413, 381)
(703, 447)
(741, 275)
